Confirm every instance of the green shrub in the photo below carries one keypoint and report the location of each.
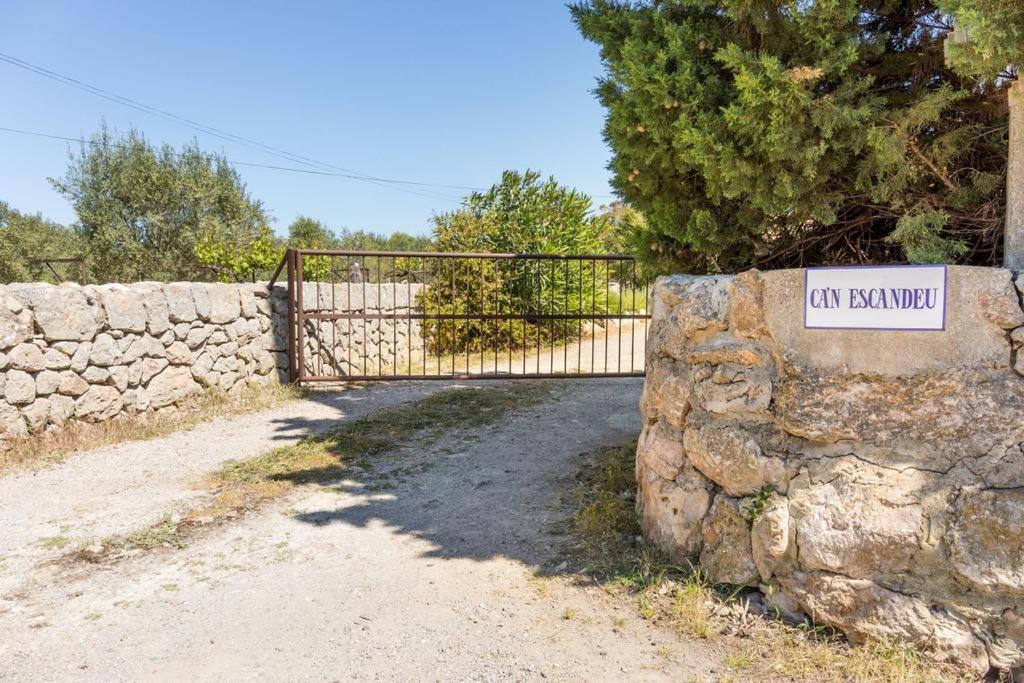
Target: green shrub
(522, 214)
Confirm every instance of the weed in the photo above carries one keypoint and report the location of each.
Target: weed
(165, 533)
(93, 616)
(540, 585)
(569, 613)
(664, 651)
(646, 605)
(58, 542)
(693, 606)
(755, 507)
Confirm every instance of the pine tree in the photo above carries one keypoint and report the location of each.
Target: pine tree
(768, 133)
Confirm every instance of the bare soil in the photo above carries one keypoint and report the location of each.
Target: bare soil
(440, 562)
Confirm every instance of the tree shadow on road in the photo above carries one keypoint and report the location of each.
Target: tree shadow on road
(477, 472)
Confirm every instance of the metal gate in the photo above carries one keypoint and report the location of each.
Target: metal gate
(356, 315)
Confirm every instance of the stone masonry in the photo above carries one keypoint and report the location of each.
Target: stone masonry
(873, 480)
(93, 353)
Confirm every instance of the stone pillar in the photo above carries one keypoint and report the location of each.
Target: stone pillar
(1013, 251)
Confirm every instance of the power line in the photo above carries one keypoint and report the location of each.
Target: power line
(253, 164)
(211, 130)
(228, 136)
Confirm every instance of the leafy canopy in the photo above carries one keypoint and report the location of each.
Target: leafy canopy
(24, 237)
(521, 214)
(149, 213)
(783, 132)
(995, 36)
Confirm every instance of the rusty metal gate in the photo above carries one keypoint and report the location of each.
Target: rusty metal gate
(356, 315)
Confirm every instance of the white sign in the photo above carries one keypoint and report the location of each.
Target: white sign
(875, 298)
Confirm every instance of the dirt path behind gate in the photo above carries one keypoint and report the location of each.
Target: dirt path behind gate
(430, 576)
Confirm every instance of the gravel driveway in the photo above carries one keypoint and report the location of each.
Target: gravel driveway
(432, 578)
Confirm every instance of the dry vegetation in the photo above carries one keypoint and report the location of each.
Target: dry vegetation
(611, 550)
(53, 447)
(351, 451)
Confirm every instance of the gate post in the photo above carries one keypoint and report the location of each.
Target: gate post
(290, 260)
(300, 322)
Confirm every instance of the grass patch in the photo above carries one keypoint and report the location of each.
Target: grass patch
(45, 449)
(164, 534)
(243, 485)
(58, 542)
(609, 548)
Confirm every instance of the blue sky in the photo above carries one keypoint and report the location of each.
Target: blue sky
(449, 92)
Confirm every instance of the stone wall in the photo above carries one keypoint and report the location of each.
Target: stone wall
(354, 346)
(873, 480)
(98, 352)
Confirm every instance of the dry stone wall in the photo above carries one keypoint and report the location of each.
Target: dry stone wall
(94, 353)
(873, 480)
(362, 346)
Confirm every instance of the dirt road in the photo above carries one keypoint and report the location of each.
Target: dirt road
(432, 578)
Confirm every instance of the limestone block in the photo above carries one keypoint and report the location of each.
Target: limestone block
(201, 299)
(68, 348)
(730, 377)
(686, 310)
(105, 351)
(660, 449)
(124, 307)
(12, 424)
(150, 367)
(55, 360)
(666, 391)
(16, 322)
(770, 536)
(197, 337)
(36, 415)
(142, 402)
(26, 357)
(119, 377)
(170, 386)
(71, 384)
(47, 382)
(65, 313)
(746, 306)
(248, 300)
(732, 458)
(957, 411)
(98, 403)
(62, 408)
(671, 512)
(178, 353)
(265, 362)
(856, 519)
(726, 554)
(224, 303)
(181, 305)
(80, 358)
(986, 542)
(865, 611)
(158, 314)
(96, 375)
(19, 387)
(218, 336)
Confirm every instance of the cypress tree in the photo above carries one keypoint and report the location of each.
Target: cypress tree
(780, 133)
